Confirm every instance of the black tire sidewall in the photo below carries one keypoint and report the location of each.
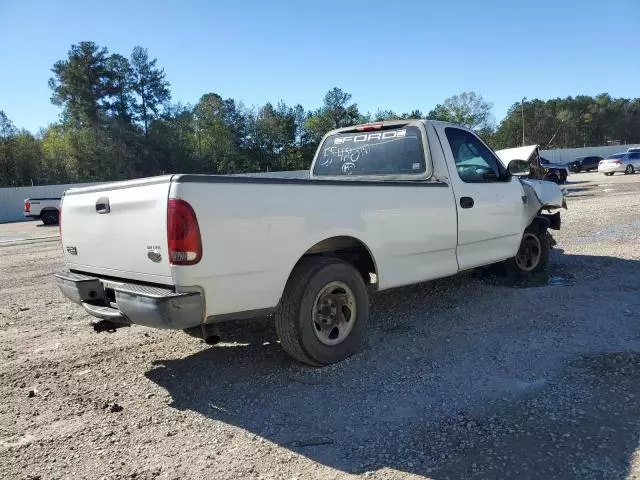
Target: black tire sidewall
(545, 246)
(314, 348)
(48, 218)
(512, 268)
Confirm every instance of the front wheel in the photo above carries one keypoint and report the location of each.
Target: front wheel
(533, 254)
(629, 170)
(323, 314)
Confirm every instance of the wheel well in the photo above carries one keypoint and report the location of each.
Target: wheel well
(350, 250)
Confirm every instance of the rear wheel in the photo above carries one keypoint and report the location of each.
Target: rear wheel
(609, 174)
(629, 170)
(49, 217)
(323, 314)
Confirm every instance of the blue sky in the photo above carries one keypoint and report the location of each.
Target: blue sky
(401, 55)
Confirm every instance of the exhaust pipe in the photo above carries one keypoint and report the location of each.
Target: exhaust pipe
(209, 333)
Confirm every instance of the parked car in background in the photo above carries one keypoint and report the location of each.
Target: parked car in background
(584, 164)
(554, 172)
(626, 163)
(45, 209)
(633, 150)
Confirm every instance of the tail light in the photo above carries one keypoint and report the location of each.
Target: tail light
(27, 206)
(369, 127)
(617, 162)
(183, 233)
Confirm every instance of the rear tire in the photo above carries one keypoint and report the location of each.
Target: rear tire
(49, 217)
(609, 174)
(323, 314)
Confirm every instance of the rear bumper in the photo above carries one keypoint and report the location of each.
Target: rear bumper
(608, 168)
(139, 304)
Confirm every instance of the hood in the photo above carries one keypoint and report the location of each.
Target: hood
(518, 153)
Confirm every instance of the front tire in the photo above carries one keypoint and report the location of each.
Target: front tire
(629, 170)
(323, 314)
(533, 254)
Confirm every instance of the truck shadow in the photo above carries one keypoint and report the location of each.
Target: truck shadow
(550, 391)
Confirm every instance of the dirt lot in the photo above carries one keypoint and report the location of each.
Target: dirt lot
(468, 377)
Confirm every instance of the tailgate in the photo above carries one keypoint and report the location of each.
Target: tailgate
(118, 229)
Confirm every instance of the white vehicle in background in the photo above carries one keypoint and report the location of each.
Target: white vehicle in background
(627, 163)
(385, 205)
(45, 209)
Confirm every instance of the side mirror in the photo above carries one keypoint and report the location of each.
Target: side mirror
(519, 168)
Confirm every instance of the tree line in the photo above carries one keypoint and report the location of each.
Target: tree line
(118, 122)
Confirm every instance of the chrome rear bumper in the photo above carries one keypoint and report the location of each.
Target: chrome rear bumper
(139, 304)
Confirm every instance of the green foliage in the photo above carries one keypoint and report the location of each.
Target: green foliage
(336, 112)
(80, 84)
(150, 87)
(117, 123)
(571, 122)
(468, 109)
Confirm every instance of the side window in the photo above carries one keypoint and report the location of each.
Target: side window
(474, 161)
(634, 156)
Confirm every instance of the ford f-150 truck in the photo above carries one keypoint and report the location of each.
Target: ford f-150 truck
(45, 209)
(384, 205)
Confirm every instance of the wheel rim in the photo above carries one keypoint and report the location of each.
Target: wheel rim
(528, 255)
(334, 313)
(629, 168)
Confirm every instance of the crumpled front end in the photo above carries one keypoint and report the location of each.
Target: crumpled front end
(542, 195)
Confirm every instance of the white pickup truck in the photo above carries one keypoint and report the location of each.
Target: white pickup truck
(384, 205)
(45, 209)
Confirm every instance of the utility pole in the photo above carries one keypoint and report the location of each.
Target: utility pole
(522, 110)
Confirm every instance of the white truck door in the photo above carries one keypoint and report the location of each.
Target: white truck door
(491, 213)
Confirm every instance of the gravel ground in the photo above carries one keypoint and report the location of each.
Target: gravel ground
(467, 377)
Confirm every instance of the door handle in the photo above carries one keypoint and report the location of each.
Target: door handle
(466, 202)
(102, 205)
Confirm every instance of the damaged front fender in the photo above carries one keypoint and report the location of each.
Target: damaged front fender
(541, 195)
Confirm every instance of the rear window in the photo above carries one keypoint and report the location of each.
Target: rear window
(397, 151)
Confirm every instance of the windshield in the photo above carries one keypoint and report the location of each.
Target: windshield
(396, 151)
